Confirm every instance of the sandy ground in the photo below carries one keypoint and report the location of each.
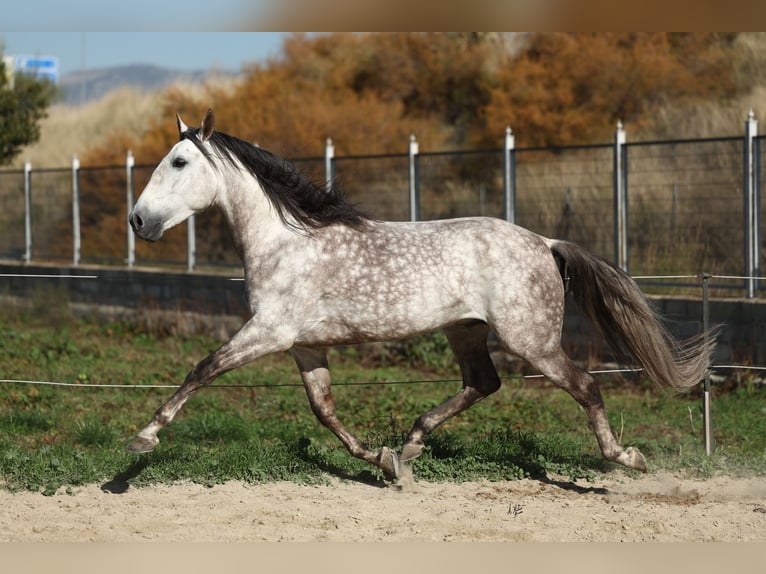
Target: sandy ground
(656, 507)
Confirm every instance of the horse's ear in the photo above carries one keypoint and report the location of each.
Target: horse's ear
(182, 127)
(208, 125)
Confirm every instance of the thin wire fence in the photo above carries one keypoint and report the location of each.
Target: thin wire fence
(341, 383)
(702, 276)
(650, 206)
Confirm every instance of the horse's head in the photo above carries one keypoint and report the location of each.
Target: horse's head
(184, 183)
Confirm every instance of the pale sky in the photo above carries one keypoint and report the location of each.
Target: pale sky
(178, 50)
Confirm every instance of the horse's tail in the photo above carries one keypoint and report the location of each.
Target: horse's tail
(617, 307)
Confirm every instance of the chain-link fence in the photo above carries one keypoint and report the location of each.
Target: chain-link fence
(655, 208)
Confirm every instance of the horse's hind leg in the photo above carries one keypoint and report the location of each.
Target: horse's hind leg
(316, 379)
(480, 379)
(561, 370)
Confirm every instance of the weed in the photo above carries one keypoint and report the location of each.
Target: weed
(54, 437)
(92, 432)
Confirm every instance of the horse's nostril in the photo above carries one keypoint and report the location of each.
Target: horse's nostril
(138, 223)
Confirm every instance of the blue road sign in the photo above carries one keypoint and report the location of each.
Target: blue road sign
(41, 67)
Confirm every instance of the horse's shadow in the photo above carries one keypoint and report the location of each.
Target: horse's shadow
(573, 486)
(531, 468)
(120, 483)
(364, 476)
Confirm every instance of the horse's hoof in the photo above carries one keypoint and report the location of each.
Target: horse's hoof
(405, 482)
(634, 459)
(142, 444)
(388, 462)
(411, 451)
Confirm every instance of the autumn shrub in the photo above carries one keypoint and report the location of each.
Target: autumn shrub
(370, 91)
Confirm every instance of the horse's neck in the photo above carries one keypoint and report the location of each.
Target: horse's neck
(254, 224)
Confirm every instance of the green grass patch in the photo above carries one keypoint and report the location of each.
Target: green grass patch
(54, 437)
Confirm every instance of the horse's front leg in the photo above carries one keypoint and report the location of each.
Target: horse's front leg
(316, 379)
(246, 346)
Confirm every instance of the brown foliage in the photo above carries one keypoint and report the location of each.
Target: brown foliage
(370, 91)
(573, 88)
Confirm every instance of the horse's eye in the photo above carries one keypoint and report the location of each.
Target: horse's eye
(179, 162)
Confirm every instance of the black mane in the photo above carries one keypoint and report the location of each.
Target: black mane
(300, 203)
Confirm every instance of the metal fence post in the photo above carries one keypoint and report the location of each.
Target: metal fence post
(130, 163)
(329, 163)
(752, 213)
(758, 235)
(414, 183)
(76, 238)
(27, 212)
(707, 415)
(509, 176)
(191, 244)
(620, 200)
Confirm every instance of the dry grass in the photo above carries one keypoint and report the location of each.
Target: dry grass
(70, 130)
(751, 47)
(719, 118)
(707, 119)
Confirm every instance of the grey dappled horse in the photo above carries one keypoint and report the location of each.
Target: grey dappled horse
(319, 273)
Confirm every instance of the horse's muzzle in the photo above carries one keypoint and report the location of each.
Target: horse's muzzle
(136, 222)
(143, 228)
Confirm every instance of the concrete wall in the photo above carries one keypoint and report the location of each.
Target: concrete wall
(192, 301)
(742, 324)
(165, 300)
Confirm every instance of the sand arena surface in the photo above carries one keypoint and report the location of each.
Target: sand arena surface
(656, 507)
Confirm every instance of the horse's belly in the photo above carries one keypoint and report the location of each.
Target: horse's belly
(395, 321)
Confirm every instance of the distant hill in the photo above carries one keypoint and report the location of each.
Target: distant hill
(85, 86)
